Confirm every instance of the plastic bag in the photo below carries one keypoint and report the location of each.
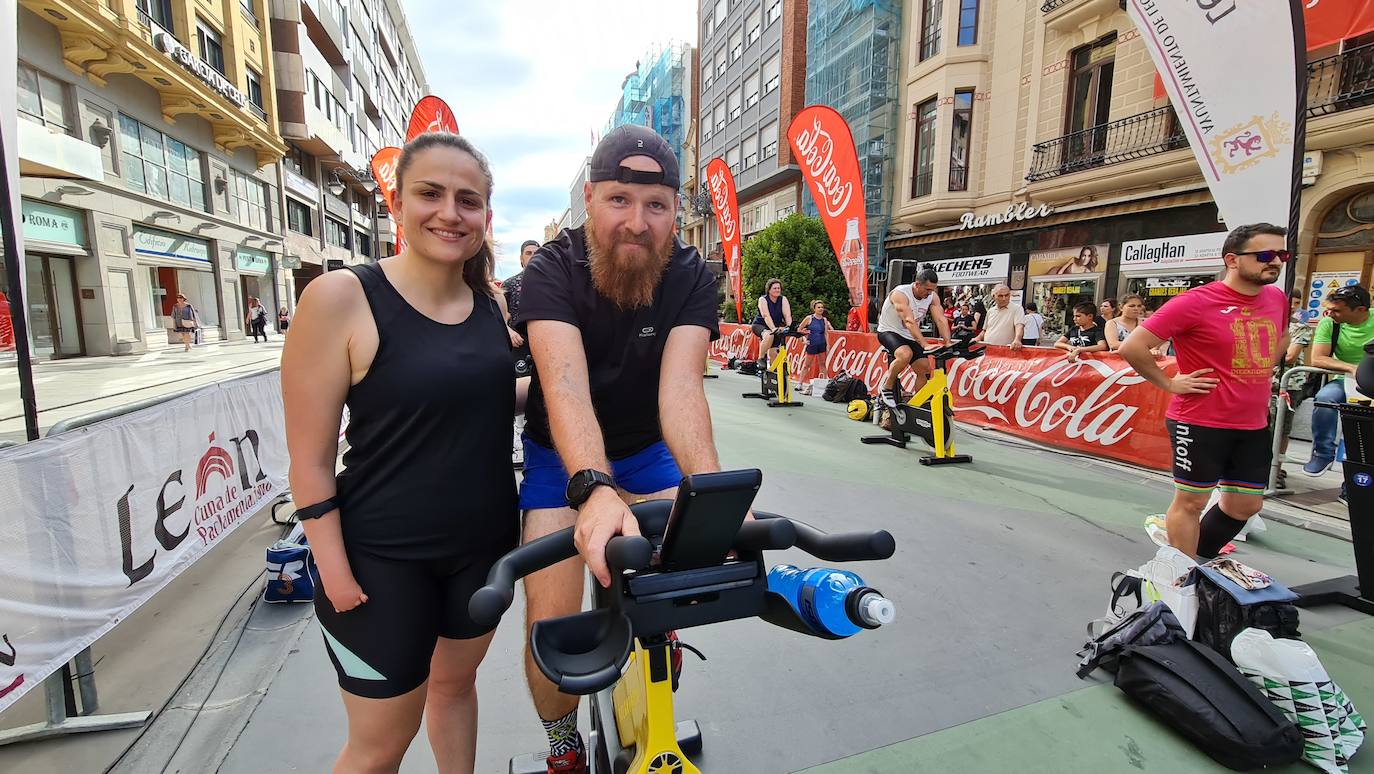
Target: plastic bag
(1289, 673)
(1164, 576)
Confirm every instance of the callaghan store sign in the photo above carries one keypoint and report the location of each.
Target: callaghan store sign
(183, 56)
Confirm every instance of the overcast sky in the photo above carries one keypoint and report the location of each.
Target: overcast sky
(529, 80)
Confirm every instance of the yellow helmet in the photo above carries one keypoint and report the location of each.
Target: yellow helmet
(858, 410)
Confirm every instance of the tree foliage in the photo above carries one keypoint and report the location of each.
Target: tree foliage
(797, 251)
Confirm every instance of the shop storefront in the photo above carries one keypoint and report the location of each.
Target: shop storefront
(54, 239)
(1159, 269)
(171, 263)
(1060, 258)
(254, 268)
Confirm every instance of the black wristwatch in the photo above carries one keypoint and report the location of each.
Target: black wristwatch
(581, 484)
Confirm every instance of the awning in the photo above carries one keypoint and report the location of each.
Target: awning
(1088, 212)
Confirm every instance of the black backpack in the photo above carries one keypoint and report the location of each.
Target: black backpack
(1199, 694)
(857, 391)
(1154, 624)
(838, 388)
(1221, 614)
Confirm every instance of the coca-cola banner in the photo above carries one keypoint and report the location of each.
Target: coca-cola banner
(1098, 405)
(431, 114)
(384, 173)
(722, 186)
(825, 149)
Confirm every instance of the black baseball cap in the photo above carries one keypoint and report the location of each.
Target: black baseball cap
(633, 140)
(527, 243)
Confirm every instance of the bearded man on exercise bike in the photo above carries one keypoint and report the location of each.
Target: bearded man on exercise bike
(899, 330)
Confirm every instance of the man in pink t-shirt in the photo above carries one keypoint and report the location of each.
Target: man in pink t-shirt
(1228, 336)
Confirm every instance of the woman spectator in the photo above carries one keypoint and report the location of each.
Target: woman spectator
(815, 325)
(283, 320)
(1029, 328)
(1121, 325)
(185, 321)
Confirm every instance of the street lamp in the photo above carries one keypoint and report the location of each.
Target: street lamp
(336, 185)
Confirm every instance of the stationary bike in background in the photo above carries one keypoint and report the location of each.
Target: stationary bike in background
(700, 562)
(776, 381)
(928, 414)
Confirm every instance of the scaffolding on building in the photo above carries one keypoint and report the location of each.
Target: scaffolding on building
(853, 51)
(656, 95)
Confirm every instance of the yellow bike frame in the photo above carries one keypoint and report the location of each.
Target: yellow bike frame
(784, 377)
(644, 720)
(936, 390)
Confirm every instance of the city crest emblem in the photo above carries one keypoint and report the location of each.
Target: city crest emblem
(1245, 145)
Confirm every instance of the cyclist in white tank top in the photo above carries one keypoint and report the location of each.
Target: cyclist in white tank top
(899, 330)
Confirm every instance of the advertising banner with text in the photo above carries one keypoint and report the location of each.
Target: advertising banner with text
(95, 521)
(1241, 120)
(824, 147)
(431, 114)
(1098, 405)
(726, 206)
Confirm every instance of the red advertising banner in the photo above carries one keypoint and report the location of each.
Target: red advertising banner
(384, 173)
(1331, 21)
(1098, 405)
(7, 343)
(431, 114)
(824, 147)
(722, 186)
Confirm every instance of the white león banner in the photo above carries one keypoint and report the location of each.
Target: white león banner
(93, 522)
(1231, 68)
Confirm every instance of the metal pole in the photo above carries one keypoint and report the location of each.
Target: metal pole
(9, 229)
(1281, 412)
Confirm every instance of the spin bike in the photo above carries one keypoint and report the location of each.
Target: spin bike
(699, 562)
(776, 381)
(928, 414)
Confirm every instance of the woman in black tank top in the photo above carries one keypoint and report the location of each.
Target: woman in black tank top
(416, 347)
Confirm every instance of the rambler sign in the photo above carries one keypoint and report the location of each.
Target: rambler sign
(1013, 213)
(1191, 251)
(183, 56)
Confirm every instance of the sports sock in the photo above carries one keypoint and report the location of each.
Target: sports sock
(563, 734)
(1217, 529)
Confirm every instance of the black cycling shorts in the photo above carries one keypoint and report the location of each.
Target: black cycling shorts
(382, 648)
(1206, 458)
(891, 342)
(760, 329)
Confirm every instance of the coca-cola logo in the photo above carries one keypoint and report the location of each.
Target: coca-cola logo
(1034, 395)
(816, 148)
(720, 194)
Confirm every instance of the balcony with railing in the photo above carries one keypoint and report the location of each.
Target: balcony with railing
(1133, 137)
(1341, 82)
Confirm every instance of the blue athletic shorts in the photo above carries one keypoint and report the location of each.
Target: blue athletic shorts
(545, 482)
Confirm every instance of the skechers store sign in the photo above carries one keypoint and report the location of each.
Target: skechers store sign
(977, 269)
(183, 56)
(1192, 251)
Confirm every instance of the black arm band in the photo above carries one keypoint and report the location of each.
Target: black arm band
(317, 510)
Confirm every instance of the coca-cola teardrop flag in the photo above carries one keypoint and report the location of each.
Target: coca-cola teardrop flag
(431, 114)
(722, 186)
(384, 173)
(824, 147)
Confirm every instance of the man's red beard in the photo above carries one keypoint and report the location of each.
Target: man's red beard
(629, 281)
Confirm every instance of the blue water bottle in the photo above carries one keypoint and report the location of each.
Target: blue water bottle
(834, 602)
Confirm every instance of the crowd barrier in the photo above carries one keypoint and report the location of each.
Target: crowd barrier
(96, 519)
(1098, 405)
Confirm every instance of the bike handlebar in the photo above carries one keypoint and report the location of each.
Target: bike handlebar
(768, 531)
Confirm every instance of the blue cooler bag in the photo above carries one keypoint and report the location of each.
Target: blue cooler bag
(288, 573)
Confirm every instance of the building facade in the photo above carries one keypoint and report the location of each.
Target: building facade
(853, 53)
(577, 203)
(348, 75)
(658, 94)
(148, 146)
(1049, 111)
(752, 77)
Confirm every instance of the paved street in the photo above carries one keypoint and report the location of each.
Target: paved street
(999, 566)
(77, 386)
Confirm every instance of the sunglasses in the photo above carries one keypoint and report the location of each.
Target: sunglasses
(1268, 256)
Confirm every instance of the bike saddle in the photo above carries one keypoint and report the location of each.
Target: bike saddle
(583, 653)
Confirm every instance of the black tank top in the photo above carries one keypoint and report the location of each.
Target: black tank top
(428, 470)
